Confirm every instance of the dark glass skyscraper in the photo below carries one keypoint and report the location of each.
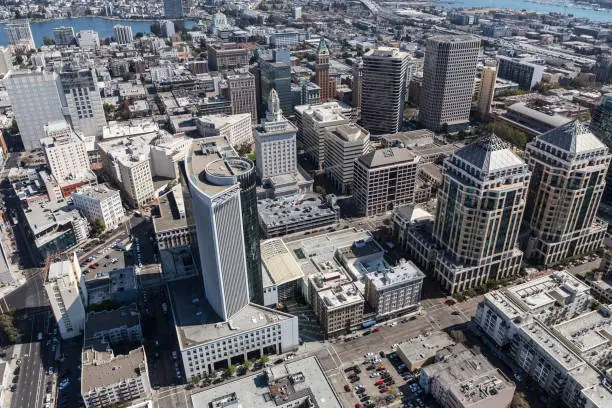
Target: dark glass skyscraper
(173, 9)
(250, 228)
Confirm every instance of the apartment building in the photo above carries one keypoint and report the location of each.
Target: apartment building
(384, 179)
(335, 300)
(19, 33)
(113, 327)
(237, 129)
(108, 379)
(67, 294)
(100, 203)
(123, 34)
(394, 290)
(66, 154)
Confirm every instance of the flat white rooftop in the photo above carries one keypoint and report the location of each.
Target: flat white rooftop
(257, 391)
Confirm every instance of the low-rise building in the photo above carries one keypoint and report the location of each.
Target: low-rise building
(419, 351)
(287, 215)
(235, 128)
(532, 121)
(55, 227)
(552, 298)
(118, 286)
(112, 327)
(590, 336)
(601, 290)
(284, 272)
(170, 223)
(467, 380)
(166, 153)
(100, 203)
(394, 290)
(208, 344)
(67, 294)
(560, 358)
(108, 379)
(298, 383)
(335, 299)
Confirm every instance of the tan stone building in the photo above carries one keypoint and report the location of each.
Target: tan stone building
(569, 166)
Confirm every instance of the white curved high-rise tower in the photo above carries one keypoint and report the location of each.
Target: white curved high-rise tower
(215, 175)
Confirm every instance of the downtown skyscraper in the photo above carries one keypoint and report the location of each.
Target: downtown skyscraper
(223, 204)
(173, 9)
(569, 166)
(478, 217)
(383, 90)
(448, 81)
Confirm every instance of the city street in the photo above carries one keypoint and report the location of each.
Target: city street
(33, 317)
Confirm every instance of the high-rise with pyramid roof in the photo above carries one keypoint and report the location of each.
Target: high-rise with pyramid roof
(479, 213)
(569, 166)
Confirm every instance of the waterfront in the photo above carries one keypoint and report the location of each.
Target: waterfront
(103, 26)
(595, 15)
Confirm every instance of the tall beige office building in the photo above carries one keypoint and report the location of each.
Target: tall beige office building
(383, 90)
(448, 81)
(343, 145)
(487, 88)
(384, 179)
(569, 166)
(241, 84)
(479, 213)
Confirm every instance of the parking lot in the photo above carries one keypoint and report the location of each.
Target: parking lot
(382, 379)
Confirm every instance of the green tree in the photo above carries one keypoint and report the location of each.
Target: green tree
(320, 190)
(98, 227)
(519, 401)
(244, 149)
(231, 370)
(7, 326)
(109, 111)
(264, 359)
(104, 305)
(247, 365)
(139, 34)
(47, 40)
